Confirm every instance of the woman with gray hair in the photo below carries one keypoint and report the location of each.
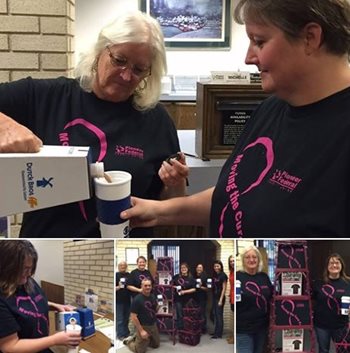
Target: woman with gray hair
(112, 106)
(253, 306)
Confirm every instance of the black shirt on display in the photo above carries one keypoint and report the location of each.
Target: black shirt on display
(123, 295)
(252, 313)
(25, 314)
(327, 303)
(136, 277)
(123, 138)
(145, 307)
(288, 174)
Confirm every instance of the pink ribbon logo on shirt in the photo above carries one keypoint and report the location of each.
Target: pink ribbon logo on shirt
(288, 307)
(290, 257)
(332, 302)
(232, 188)
(103, 146)
(32, 312)
(150, 309)
(254, 289)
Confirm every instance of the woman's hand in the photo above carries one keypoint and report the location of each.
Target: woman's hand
(15, 137)
(67, 338)
(61, 307)
(174, 172)
(143, 213)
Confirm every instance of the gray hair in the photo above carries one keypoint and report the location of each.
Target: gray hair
(291, 16)
(258, 254)
(130, 27)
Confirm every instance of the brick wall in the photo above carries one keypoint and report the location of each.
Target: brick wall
(36, 38)
(241, 244)
(225, 248)
(223, 252)
(89, 264)
(130, 243)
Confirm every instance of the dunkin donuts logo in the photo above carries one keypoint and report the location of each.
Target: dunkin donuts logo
(29, 184)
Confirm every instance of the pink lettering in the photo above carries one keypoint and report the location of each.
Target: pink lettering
(64, 138)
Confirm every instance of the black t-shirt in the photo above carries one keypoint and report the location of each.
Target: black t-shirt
(61, 113)
(145, 308)
(123, 295)
(296, 344)
(327, 303)
(186, 282)
(289, 165)
(252, 313)
(218, 281)
(200, 294)
(136, 277)
(25, 314)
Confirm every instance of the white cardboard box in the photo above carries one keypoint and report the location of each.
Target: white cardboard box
(292, 283)
(63, 318)
(164, 278)
(54, 176)
(292, 340)
(91, 301)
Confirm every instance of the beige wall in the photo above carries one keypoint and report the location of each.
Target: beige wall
(224, 250)
(36, 38)
(241, 244)
(89, 264)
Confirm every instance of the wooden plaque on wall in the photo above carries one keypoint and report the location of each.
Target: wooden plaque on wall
(222, 111)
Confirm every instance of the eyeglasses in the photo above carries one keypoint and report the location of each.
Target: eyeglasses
(122, 63)
(27, 270)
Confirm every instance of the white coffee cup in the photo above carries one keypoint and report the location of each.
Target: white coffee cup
(160, 299)
(199, 282)
(345, 303)
(73, 328)
(122, 282)
(178, 288)
(238, 291)
(209, 282)
(111, 199)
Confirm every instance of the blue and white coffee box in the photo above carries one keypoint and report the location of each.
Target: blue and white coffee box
(54, 176)
(64, 318)
(86, 322)
(238, 291)
(345, 303)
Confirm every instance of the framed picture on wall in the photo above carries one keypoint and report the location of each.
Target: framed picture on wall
(192, 24)
(131, 255)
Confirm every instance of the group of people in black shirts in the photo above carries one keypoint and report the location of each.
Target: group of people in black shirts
(136, 302)
(327, 293)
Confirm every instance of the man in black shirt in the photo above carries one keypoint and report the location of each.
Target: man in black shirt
(143, 316)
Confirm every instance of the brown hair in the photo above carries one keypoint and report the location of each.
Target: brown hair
(13, 254)
(229, 266)
(291, 16)
(343, 274)
(141, 257)
(188, 268)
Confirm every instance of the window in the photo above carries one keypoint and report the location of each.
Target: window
(167, 251)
